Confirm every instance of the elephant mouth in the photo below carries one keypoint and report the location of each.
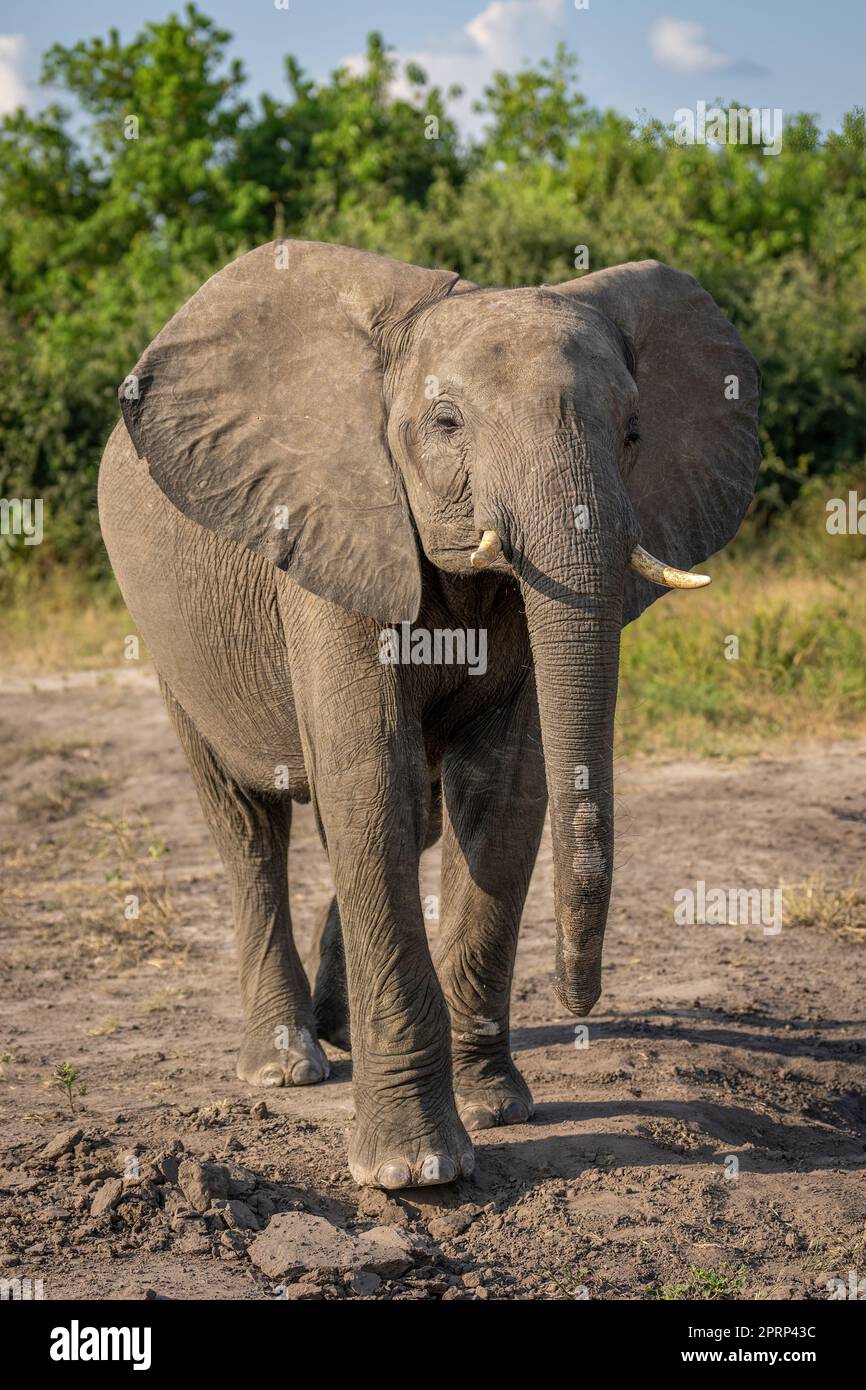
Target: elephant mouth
(489, 549)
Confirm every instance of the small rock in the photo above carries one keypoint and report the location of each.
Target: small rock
(295, 1241)
(260, 1111)
(449, 1225)
(239, 1216)
(145, 1192)
(55, 1213)
(233, 1241)
(364, 1283)
(300, 1293)
(167, 1165)
(185, 1220)
(241, 1181)
(379, 1207)
(472, 1280)
(107, 1197)
(200, 1182)
(62, 1143)
(193, 1244)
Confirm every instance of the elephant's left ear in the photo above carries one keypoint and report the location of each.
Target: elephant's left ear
(260, 409)
(699, 388)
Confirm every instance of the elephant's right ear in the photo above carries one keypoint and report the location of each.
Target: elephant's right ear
(260, 411)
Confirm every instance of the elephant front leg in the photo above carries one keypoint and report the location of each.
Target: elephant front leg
(495, 797)
(407, 1132)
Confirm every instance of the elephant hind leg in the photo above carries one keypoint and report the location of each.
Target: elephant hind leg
(252, 834)
(326, 966)
(326, 962)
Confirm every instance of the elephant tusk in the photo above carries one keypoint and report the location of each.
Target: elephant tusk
(643, 563)
(488, 548)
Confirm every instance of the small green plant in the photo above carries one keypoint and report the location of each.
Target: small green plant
(708, 1285)
(69, 1078)
(569, 1283)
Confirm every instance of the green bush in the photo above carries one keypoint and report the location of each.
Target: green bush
(104, 234)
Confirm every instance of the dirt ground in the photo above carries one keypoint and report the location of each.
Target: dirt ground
(710, 1044)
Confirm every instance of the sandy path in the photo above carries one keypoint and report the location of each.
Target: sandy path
(709, 1042)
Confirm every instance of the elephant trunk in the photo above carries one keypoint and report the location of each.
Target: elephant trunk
(572, 586)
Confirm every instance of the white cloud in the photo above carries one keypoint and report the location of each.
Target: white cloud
(681, 44)
(501, 36)
(13, 91)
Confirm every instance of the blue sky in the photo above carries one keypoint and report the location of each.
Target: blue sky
(635, 55)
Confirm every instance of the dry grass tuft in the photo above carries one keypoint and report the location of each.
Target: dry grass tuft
(814, 904)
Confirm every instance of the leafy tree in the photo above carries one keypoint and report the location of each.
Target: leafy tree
(105, 231)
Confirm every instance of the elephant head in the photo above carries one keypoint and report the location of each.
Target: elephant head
(333, 410)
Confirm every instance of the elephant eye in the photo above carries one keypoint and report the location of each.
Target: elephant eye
(632, 434)
(447, 421)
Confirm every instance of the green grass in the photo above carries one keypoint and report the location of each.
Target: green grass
(795, 599)
(56, 618)
(706, 1285)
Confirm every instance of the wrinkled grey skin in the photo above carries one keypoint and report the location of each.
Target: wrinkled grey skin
(285, 481)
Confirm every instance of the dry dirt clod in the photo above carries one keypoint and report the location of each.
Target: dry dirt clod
(107, 1197)
(201, 1182)
(193, 1244)
(239, 1216)
(62, 1143)
(450, 1224)
(295, 1242)
(168, 1166)
(376, 1205)
(242, 1181)
(364, 1284)
(301, 1293)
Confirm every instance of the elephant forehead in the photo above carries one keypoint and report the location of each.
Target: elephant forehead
(515, 336)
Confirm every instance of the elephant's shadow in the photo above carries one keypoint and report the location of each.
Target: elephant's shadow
(694, 1026)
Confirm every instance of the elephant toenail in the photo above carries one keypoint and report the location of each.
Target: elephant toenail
(305, 1073)
(393, 1175)
(478, 1117)
(467, 1164)
(271, 1075)
(514, 1112)
(438, 1168)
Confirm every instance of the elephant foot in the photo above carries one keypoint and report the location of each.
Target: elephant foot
(491, 1092)
(441, 1155)
(284, 1056)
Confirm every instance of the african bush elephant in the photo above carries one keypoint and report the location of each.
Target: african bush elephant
(323, 446)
